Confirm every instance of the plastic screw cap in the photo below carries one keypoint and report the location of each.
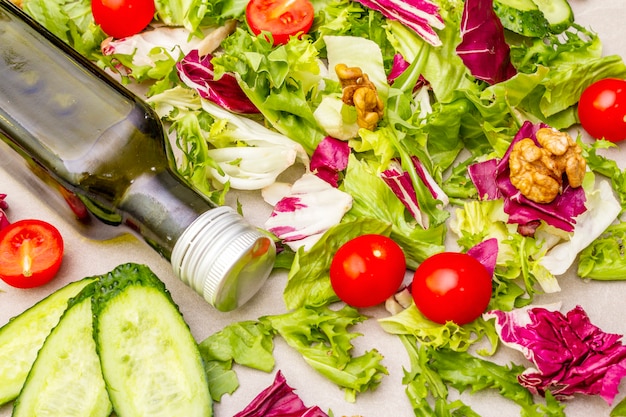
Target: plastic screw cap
(223, 258)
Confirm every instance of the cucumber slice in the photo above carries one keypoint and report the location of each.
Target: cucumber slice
(22, 337)
(558, 13)
(66, 379)
(522, 16)
(150, 361)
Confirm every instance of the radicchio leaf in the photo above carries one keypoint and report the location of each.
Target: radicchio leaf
(305, 211)
(570, 354)
(492, 180)
(329, 158)
(419, 15)
(4, 220)
(483, 48)
(279, 400)
(400, 65)
(486, 253)
(399, 181)
(483, 175)
(197, 73)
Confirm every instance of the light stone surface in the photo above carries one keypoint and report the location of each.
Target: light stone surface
(605, 302)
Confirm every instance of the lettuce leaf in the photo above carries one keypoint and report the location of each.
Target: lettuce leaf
(279, 81)
(607, 167)
(605, 258)
(326, 345)
(248, 343)
(519, 257)
(449, 336)
(308, 282)
(374, 199)
(433, 371)
(602, 210)
(71, 21)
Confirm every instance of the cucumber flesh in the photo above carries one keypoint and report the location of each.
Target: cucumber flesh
(558, 13)
(66, 379)
(522, 16)
(22, 337)
(150, 361)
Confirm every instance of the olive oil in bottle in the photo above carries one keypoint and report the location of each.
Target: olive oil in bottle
(95, 140)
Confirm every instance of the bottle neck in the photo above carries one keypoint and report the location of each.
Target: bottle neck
(160, 207)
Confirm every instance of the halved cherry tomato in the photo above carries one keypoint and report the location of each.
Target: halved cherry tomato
(367, 270)
(121, 18)
(282, 18)
(602, 109)
(31, 252)
(451, 286)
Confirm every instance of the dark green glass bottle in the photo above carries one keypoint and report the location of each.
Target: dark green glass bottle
(93, 138)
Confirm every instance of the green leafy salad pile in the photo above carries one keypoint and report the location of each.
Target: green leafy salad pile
(436, 111)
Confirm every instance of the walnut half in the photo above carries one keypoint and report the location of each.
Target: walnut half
(537, 171)
(360, 92)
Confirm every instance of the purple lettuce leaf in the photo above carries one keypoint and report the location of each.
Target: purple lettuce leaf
(304, 211)
(398, 66)
(484, 175)
(329, 158)
(570, 354)
(419, 15)
(483, 48)
(279, 400)
(560, 213)
(4, 220)
(197, 73)
(486, 252)
(399, 181)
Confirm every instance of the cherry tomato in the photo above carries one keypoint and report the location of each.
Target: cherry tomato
(602, 109)
(367, 270)
(451, 286)
(282, 18)
(30, 253)
(121, 18)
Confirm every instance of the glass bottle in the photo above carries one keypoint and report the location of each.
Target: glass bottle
(102, 146)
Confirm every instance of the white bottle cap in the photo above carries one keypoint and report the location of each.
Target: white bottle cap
(223, 258)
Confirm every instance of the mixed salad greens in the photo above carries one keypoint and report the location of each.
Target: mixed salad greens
(458, 89)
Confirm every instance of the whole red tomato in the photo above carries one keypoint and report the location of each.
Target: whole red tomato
(121, 18)
(602, 109)
(367, 270)
(31, 252)
(451, 286)
(281, 18)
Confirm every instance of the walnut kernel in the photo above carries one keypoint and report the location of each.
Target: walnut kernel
(537, 171)
(360, 92)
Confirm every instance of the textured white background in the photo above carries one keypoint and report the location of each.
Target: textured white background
(605, 302)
